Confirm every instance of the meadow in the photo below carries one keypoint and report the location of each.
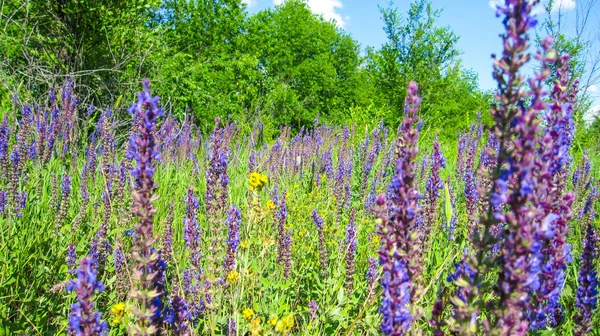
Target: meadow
(152, 227)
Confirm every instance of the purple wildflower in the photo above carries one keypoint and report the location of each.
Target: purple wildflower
(516, 128)
(586, 299)
(180, 315)
(434, 185)
(323, 256)
(191, 229)
(2, 202)
(231, 327)
(217, 182)
(281, 216)
(148, 266)
(71, 259)
(286, 256)
(234, 218)
(64, 202)
(351, 241)
(83, 319)
(313, 309)
(119, 262)
(399, 253)
(556, 204)
(372, 271)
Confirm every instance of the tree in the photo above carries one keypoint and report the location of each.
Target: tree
(576, 36)
(417, 49)
(101, 44)
(312, 66)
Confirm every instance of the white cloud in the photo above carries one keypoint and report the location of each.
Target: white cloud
(593, 89)
(495, 3)
(327, 8)
(250, 3)
(590, 115)
(559, 5)
(565, 5)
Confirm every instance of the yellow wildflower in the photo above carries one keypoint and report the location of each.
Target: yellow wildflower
(118, 311)
(255, 327)
(233, 276)
(244, 244)
(263, 179)
(285, 325)
(248, 313)
(257, 181)
(271, 205)
(376, 240)
(273, 321)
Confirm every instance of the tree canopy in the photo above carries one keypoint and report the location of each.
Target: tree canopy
(208, 58)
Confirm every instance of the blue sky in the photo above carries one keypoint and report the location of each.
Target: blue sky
(473, 20)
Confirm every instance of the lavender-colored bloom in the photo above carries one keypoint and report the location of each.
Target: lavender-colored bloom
(191, 229)
(327, 164)
(4, 136)
(516, 128)
(348, 184)
(399, 254)
(231, 327)
(64, 203)
(71, 259)
(234, 218)
(371, 156)
(555, 203)
(281, 217)
(586, 299)
(217, 182)
(462, 270)
(286, 256)
(180, 315)
(3, 204)
(252, 161)
(372, 271)
(313, 309)
(323, 256)
(371, 196)
(21, 203)
(148, 267)
(122, 281)
(396, 297)
(83, 319)
(433, 187)
(423, 170)
(351, 242)
(340, 180)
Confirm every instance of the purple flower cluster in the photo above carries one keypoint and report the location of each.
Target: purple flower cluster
(84, 320)
(433, 187)
(351, 242)
(586, 299)
(313, 309)
(234, 218)
(399, 254)
(148, 267)
(217, 184)
(323, 256)
(191, 229)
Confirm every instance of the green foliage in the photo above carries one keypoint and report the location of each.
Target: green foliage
(283, 65)
(313, 64)
(101, 44)
(419, 50)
